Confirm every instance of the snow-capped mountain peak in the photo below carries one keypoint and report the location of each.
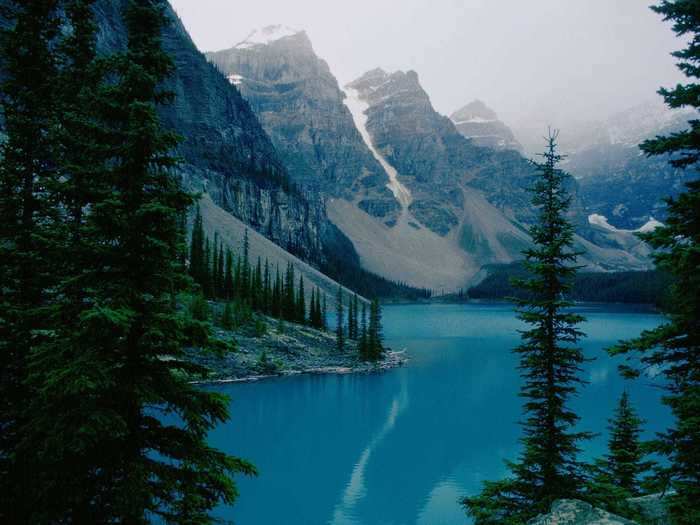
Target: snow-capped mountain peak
(267, 35)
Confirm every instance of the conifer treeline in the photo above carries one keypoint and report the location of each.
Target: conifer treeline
(223, 275)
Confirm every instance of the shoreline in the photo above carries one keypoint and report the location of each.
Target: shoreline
(392, 360)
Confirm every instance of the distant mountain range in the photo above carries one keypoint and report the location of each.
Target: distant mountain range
(401, 181)
(616, 179)
(364, 176)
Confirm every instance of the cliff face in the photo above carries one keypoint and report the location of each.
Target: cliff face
(225, 150)
(435, 161)
(301, 107)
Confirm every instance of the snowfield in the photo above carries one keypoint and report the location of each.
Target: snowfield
(358, 108)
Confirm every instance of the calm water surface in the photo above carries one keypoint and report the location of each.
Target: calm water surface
(403, 446)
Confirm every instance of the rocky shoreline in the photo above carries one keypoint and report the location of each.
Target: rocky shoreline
(268, 348)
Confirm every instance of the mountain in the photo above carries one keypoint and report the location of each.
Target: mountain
(300, 105)
(226, 152)
(398, 179)
(616, 179)
(478, 122)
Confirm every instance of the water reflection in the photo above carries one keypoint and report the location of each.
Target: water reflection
(356, 489)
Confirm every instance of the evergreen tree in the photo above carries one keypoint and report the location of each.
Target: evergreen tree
(289, 301)
(277, 295)
(31, 235)
(227, 321)
(228, 276)
(355, 321)
(351, 316)
(363, 347)
(148, 467)
(245, 268)
(197, 249)
(339, 320)
(301, 302)
(548, 467)
(312, 309)
(324, 314)
(375, 347)
(215, 266)
(266, 296)
(238, 280)
(675, 346)
(206, 269)
(220, 272)
(617, 475)
(257, 286)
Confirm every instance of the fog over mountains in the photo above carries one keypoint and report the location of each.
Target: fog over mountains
(400, 180)
(369, 176)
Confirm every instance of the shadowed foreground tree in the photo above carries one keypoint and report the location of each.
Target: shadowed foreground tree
(674, 347)
(110, 429)
(550, 361)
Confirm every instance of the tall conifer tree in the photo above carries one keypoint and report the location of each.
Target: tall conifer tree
(148, 467)
(28, 180)
(674, 347)
(550, 361)
(340, 320)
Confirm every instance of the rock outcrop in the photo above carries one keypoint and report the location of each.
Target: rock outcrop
(478, 122)
(575, 512)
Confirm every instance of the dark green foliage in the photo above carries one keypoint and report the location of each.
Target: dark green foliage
(348, 272)
(28, 180)
(289, 311)
(228, 275)
(548, 468)
(197, 253)
(199, 308)
(674, 347)
(340, 320)
(301, 303)
(227, 319)
(375, 347)
(245, 268)
(617, 476)
(100, 210)
(646, 287)
(265, 365)
(363, 345)
(351, 319)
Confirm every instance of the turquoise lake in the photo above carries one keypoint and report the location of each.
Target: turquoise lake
(401, 447)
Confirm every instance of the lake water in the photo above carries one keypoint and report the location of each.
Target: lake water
(401, 447)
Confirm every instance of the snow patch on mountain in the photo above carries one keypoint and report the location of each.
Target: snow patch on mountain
(236, 80)
(600, 220)
(266, 35)
(358, 108)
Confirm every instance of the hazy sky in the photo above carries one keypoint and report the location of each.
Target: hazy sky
(555, 61)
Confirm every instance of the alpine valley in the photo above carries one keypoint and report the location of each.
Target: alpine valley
(364, 179)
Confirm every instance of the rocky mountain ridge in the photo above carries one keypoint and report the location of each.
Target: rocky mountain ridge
(301, 107)
(478, 122)
(397, 177)
(226, 152)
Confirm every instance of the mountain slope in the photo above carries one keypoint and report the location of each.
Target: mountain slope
(225, 150)
(478, 122)
(616, 179)
(300, 105)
